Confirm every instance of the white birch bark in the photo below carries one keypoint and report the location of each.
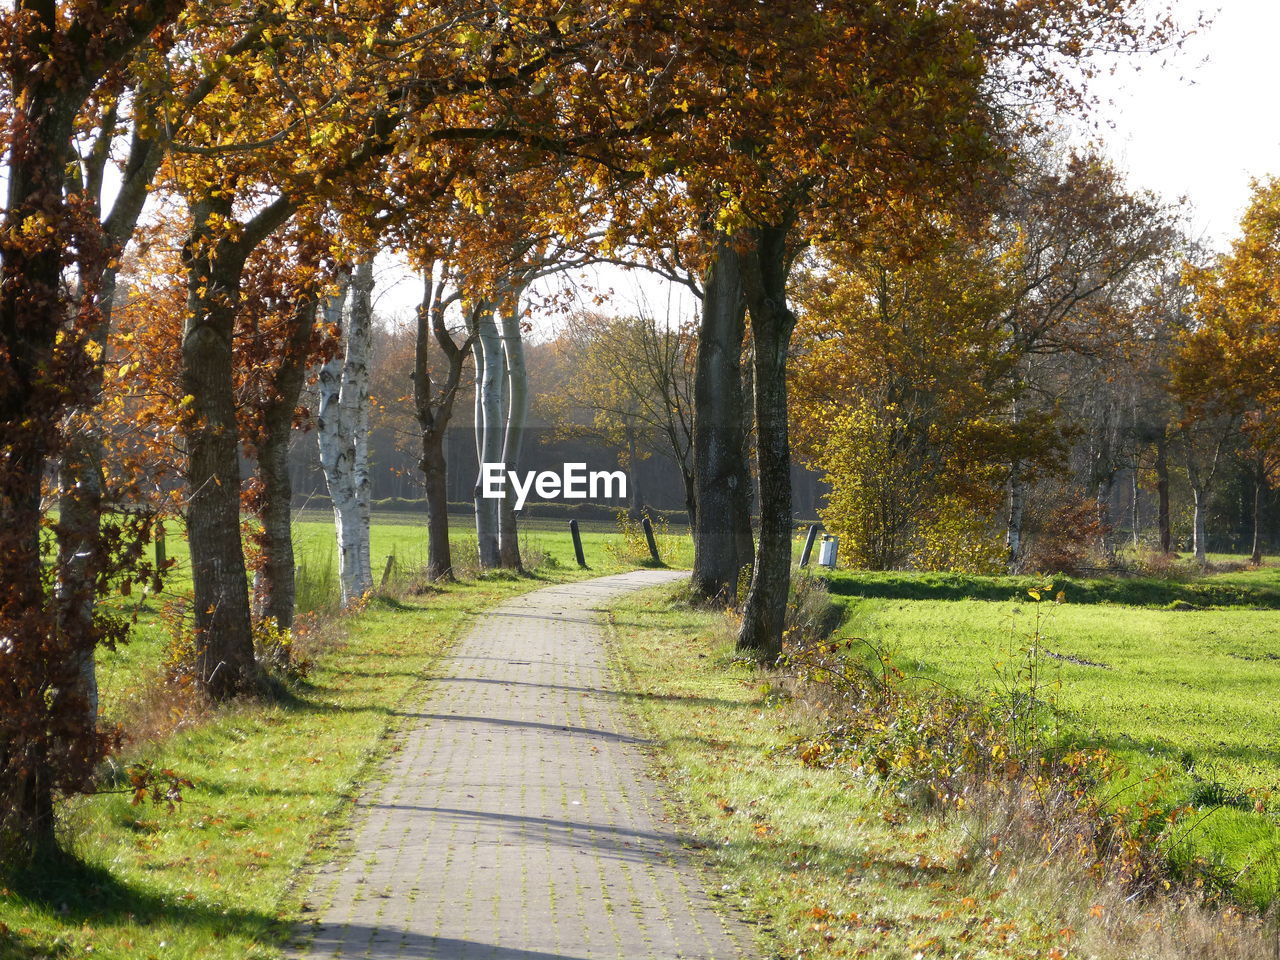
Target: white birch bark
(342, 430)
(490, 427)
(517, 412)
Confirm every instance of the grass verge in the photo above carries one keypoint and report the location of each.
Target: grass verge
(215, 878)
(831, 865)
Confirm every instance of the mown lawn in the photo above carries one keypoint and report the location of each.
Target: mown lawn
(216, 878)
(1190, 691)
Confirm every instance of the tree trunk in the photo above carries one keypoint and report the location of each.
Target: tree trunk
(342, 418)
(435, 481)
(764, 282)
(275, 587)
(746, 494)
(224, 638)
(1259, 502)
(490, 372)
(718, 430)
(1162, 497)
(81, 486)
(517, 412)
(1106, 486)
(1135, 493)
(434, 413)
(1199, 506)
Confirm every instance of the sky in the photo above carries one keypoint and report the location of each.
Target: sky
(1200, 124)
(1193, 126)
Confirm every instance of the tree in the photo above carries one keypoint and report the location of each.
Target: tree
(842, 114)
(54, 60)
(633, 379)
(1224, 369)
(899, 385)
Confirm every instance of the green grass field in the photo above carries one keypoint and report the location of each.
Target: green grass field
(217, 878)
(1173, 676)
(124, 673)
(829, 865)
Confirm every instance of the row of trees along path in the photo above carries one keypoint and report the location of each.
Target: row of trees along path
(279, 145)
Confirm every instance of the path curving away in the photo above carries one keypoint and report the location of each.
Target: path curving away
(516, 821)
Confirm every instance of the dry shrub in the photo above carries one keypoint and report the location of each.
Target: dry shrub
(1150, 562)
(1069, 539)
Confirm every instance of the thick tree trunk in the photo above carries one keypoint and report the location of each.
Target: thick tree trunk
(1162, 497)
(765, 285)
(32, 312)
(490, 423)
(54, 66)
(718, 430)
(224, 638)
(342, 425)
(517, 412)
(275, 587)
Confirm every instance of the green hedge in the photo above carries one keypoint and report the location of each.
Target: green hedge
(596, 512)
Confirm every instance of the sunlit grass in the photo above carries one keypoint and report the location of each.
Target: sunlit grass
(216, 878)
(1190, 692)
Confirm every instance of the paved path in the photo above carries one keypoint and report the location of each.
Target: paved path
(517, 821)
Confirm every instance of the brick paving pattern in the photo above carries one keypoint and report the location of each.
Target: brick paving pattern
(517, 820)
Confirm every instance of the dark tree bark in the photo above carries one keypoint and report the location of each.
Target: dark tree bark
(54, 58)
(275, 587)
(718, 430)
(1259, 503)
(1162, 496)
(635, 509)
(434, 411)
(215, 265)
(764, 273)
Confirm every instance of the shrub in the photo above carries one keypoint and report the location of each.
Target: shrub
(1069, 540)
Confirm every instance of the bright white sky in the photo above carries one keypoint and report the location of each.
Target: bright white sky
(1201, 125)
(1197, 124)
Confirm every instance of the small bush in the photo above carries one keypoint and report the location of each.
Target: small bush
(1069, 540)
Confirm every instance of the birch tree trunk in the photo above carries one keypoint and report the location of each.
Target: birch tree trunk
(490, 427)
(1198, 525)
(1016, 497)
(342, 424)
(1135, 502)
(517, 412)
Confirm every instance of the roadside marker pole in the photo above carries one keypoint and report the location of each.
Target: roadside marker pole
(808, 544)
(577, 543)
(648, 535)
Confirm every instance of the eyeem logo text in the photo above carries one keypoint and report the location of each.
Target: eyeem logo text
(573, 482)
